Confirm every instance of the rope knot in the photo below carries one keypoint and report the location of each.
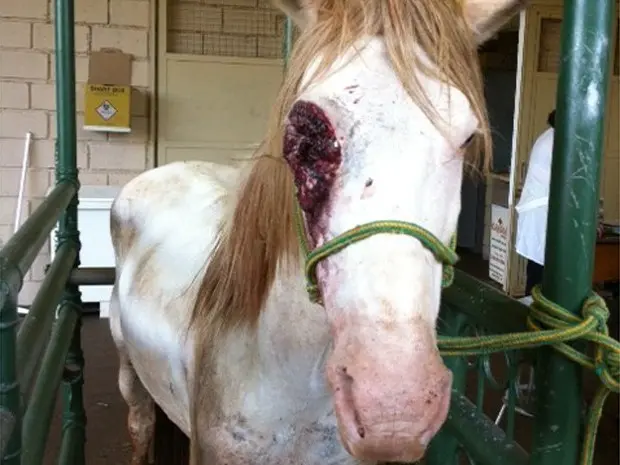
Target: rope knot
(595, 307)
(592, 327)
(610, 373)
(607, 350)
(607, 365)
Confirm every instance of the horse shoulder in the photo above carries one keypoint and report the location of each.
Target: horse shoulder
(163, 226)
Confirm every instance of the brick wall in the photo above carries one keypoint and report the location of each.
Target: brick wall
(247, 28)
(27, 102)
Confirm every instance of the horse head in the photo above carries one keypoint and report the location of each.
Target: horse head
(382, 108)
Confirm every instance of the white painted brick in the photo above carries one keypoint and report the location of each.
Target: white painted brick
(42, 96)
(88, 177)
(14, 95)
(88, 11)
(117, 156)
(81, 68)
(28, 65)
(7, 210)
(12, 150)
(139, 102)
(43, 37)
(139, 132)
(130, 13)
(6, 232)
(140, 73)
(91, 11)
(15, 123)
(24, 8)
(132, 41)
(15, 34)
(37, 182)
(82, 135)
(79, 97)
(93, 178)
(41, 153)
(120, 179)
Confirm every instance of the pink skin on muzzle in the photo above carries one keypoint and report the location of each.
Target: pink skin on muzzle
(391, 391)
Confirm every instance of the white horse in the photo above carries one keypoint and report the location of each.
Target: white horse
(211, 313)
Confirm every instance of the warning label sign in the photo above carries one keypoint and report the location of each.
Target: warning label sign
(107, 108)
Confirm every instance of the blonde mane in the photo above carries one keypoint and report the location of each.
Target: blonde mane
(260, 232)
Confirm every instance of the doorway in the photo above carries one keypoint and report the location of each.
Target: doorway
(499, 62)
(219, 69)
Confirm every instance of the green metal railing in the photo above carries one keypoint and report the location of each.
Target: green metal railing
(43, 351)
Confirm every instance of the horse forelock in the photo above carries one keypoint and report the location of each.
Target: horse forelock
(437, 28)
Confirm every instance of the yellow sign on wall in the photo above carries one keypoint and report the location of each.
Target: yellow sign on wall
(107, 108)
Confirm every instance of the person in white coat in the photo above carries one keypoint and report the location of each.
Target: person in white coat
(533, 205)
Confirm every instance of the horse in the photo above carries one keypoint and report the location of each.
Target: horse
(283, 310)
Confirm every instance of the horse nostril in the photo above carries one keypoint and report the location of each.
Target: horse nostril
(346, 377)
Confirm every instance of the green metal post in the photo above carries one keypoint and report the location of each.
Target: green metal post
(573, 204)
(74, 416)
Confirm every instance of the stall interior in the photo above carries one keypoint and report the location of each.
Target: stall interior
(499, 63)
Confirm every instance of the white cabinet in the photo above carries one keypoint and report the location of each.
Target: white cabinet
(94, 225)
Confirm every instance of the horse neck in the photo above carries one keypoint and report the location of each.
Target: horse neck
(292, 335)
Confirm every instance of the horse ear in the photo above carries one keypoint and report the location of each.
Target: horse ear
(302, 12)
(486, 17)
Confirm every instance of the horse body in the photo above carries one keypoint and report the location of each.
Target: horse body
(210, 309)
(275, 407)
(159, 252)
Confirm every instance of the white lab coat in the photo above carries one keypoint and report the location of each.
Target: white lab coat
(533, 204)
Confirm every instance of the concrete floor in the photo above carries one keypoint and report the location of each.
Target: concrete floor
(108, 442)
(106, 412)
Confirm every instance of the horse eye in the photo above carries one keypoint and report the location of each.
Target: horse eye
(467, 142)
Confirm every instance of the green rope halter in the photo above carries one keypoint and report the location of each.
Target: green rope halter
(445, 254)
